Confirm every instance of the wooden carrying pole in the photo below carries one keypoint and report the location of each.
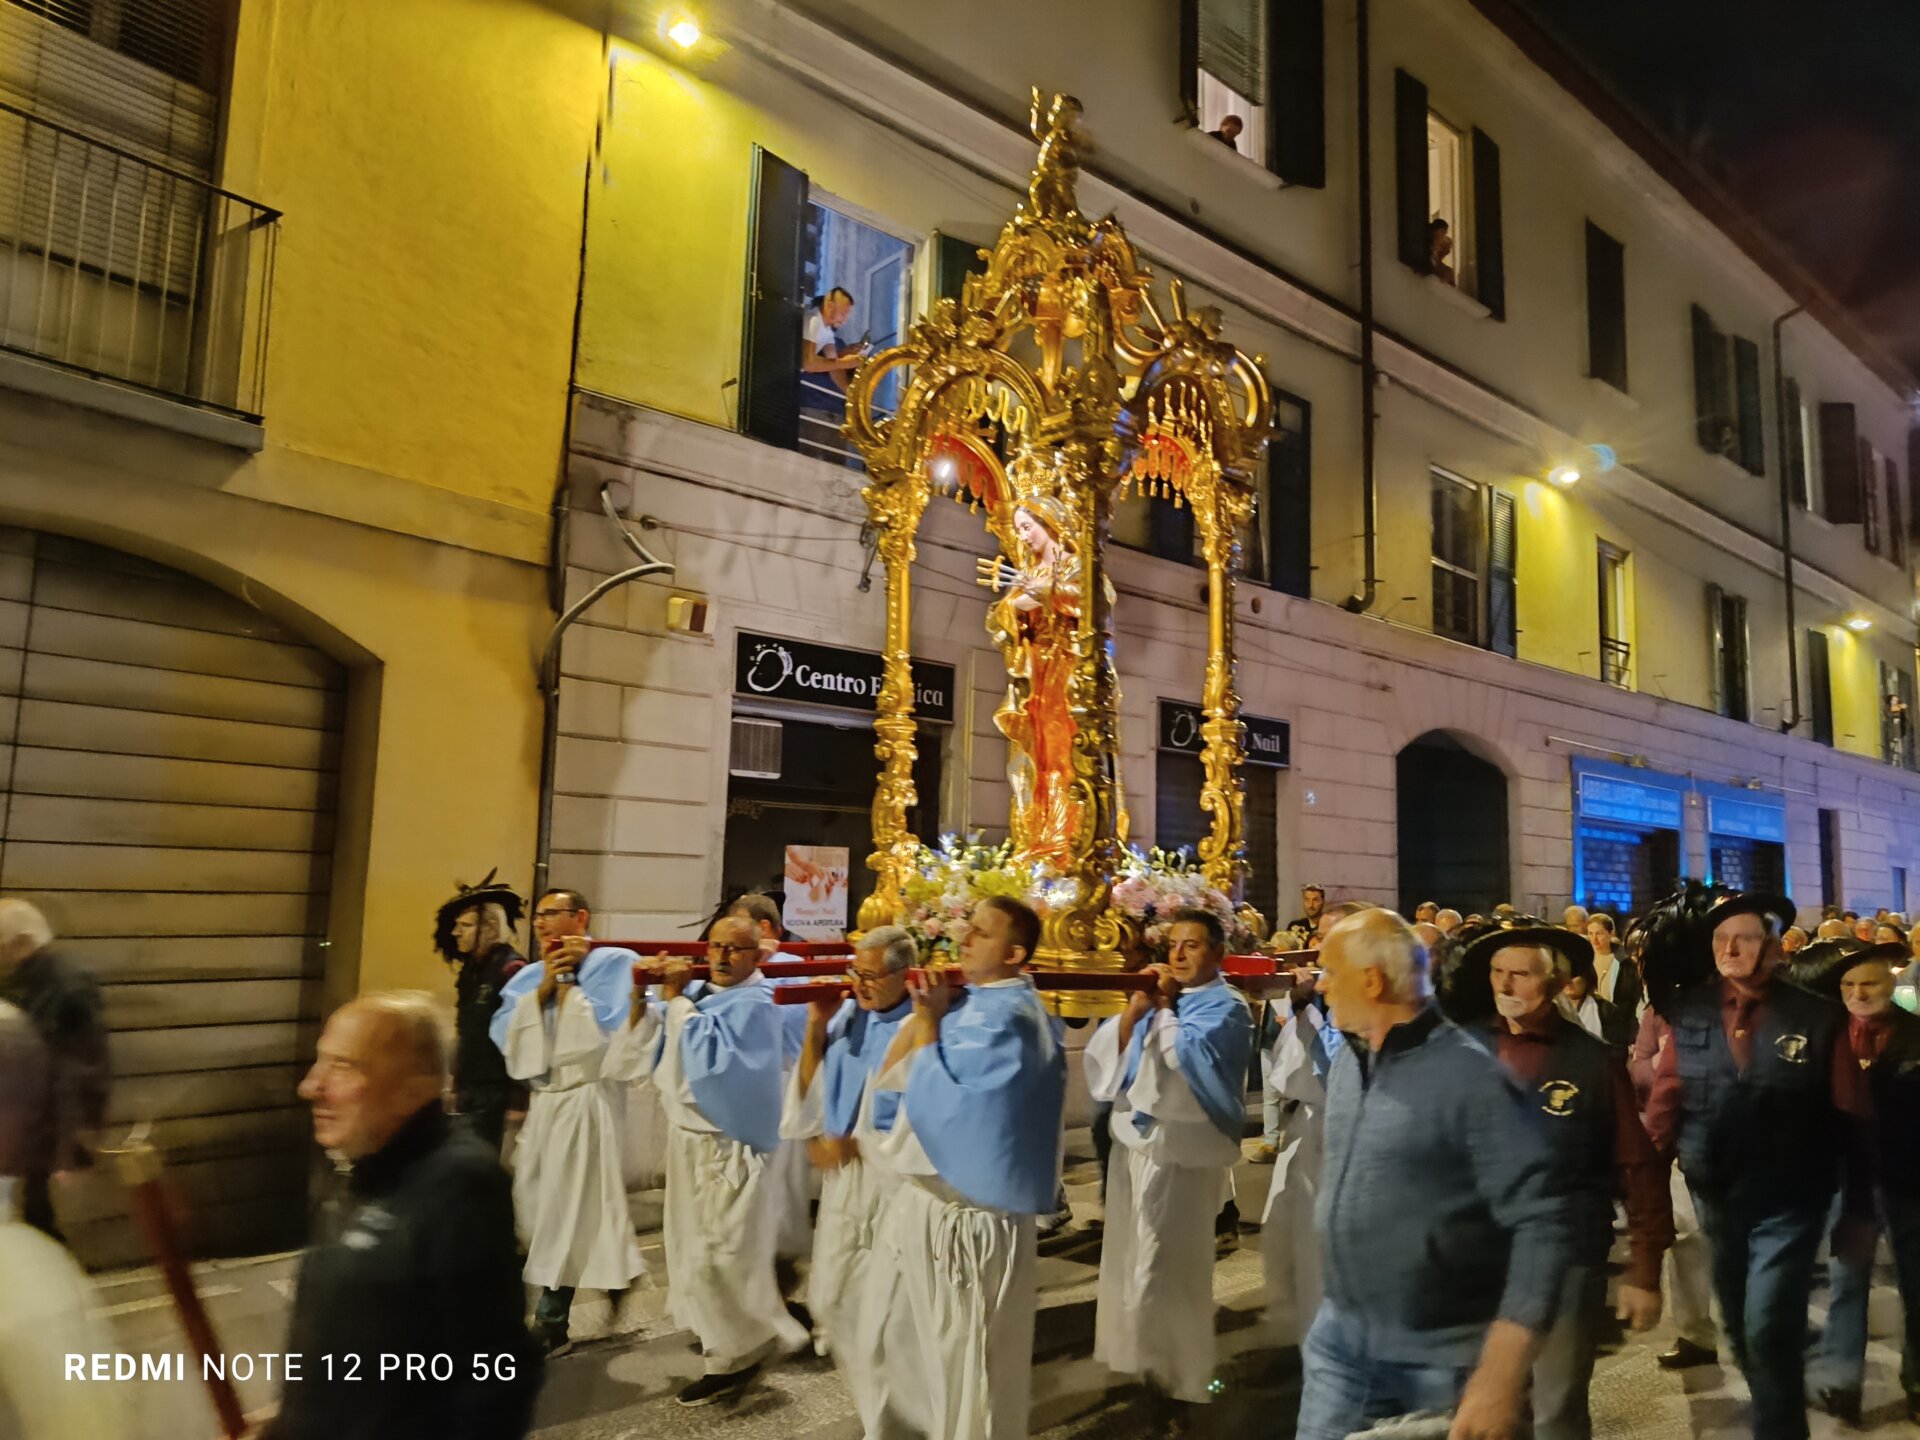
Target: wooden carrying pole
(139, 1167)
(1053, 981)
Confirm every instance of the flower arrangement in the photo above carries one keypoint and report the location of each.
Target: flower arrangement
(952, 877)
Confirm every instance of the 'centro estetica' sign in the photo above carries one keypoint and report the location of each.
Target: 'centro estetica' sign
(1267, 742)
(827, 675)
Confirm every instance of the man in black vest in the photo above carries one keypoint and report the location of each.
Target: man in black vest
(1886, 1044)
(1505, 990)
(1759, 1094)
(474, 933)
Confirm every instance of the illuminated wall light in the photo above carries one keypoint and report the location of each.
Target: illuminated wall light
(1859, 624)
(683, 31)
(1563, 476)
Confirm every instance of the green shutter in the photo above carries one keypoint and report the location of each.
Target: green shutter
(1410, 170)
(1746, 383)
(1712, 405)
(1232, 43)
(953, 260)
(1717, 649)
(1839, 463)
(1503, 543)
(1796, 457)
(1820, 686)
(1290, 501)
(1606, 308)
(1190, 59)
(1297, 95)
(775, 308)
(1489, 251)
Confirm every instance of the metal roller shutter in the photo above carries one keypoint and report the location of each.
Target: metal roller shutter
(168, 763)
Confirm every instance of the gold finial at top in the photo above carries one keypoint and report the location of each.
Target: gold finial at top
(1056, 173)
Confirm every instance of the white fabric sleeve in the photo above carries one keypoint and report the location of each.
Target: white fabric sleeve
(803, 1113)
(1160, 1090)
(897, 1150)
(1105, 1064)
(1293, 1077)
(529, 1054)
(577, 1035)
(631, 1048)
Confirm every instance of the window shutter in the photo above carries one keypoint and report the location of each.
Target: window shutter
(1290, 506)
(1190, 59)
(1739, 678)
(1868, 489)
(1746, 381)
(1489, 252)
(1717, 639)
(776, 311)
(1232, 43)
(1820, 686)
(1796, 457)
(1178, 821)
(953, 260)
(1888, 738)
(1410, 169)
(1502, 561)
(1913, 486)
(1895, 528)
(1606, 308)
(1297, 93)
(1170, 530)
(1839, 463)
(1710, 399)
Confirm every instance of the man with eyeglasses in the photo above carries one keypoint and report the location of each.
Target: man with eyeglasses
(826, 1098)
(712, 1052)
(553, 1024)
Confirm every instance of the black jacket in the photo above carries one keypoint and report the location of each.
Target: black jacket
(63, 1003)
(415, 1256)
(479, 1069)
(1895, 1077)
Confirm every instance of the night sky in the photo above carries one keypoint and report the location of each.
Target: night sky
(1808, 111)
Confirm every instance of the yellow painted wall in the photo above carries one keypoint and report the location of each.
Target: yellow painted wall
(1557, 600)
(430, 157)
(1855, 671)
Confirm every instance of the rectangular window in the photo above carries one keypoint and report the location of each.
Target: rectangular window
(1606, 308)
(1820, 686)
(1253, 76)
(1750, 427)
(1839, 463)
(1895, 527)
(1872, 529)
(1896, 716)
(1288, 500)
(1799, 456)
(1727, 619)
(1447, 198)
(1616, 645)
(1712, 386)
(1830, 858)
(1458, 553)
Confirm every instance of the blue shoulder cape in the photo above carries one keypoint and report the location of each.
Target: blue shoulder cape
(1214, 1044)
(857, 1043)
(605, 977)
(730, 1052)
(985, 1100)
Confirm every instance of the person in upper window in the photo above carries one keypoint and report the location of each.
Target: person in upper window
(1229, 132)
(1439, 247)
(821, 350)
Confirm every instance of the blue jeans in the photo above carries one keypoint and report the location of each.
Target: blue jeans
(1344, 1389)
(1841, 1362)
(1763, 1277)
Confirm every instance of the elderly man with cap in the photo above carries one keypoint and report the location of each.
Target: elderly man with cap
(1174, 1065)
(712, 1051)
(826, 1097)
(1886, 1044)
(1504, 989)
(1445, 1232)
(1759, 1093)
(414, 1256)
(474, 933)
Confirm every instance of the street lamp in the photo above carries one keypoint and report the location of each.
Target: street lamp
(1563, 476)
(683, 31)
(1859, 624)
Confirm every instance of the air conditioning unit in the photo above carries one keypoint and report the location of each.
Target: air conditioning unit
(755, 750)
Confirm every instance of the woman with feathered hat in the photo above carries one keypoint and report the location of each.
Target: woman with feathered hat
(1760, 1096)
(474, 933)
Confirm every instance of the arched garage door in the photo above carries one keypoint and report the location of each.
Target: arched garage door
(167, 774)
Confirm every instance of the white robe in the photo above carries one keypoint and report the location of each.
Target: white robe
(44, 1303)
(1154, 1315)
(1289, 1244)
(947, 1318)
(568, 1192)
(854, 1199)
(721, 1208)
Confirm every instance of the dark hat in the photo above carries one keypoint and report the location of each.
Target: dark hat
(1777, 908)
(488, 892)
(1469, 991)
(1821, 967)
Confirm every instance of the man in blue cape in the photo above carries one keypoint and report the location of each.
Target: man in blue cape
(1174, 1065)
(713, 1053)
(829, 1092)
(977, 1141)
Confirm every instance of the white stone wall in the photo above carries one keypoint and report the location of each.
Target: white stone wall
(771, 539)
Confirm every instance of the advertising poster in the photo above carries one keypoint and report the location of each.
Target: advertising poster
(816, 906)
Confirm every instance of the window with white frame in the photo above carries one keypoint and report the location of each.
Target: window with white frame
(1444, 193)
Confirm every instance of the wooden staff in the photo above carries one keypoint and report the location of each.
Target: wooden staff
(645, 972)
(139, 1167)
(697, 949)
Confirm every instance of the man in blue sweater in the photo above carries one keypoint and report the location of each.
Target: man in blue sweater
(1444, 1235)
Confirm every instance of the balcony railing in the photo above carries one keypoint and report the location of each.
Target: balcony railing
(1616, 662)
(121, 267)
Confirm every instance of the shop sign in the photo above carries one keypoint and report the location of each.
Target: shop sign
(1268, 742)
(1746, 819)
(828, 675)
(1627, 802)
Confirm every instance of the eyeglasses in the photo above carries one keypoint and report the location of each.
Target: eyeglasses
(862, 977)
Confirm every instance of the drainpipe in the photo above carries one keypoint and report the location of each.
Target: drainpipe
(1794, 717)
(1359, 602)
(550, 664)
